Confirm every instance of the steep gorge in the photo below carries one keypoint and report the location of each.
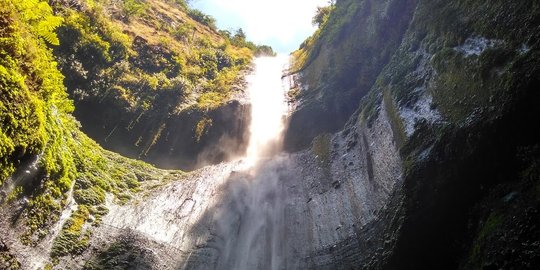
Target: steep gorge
(411, 145)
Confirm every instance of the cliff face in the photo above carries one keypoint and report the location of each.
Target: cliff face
(309, 210)
(340, 64)
(53, 178)
(436, 167)
(459, 92)
(188, 139)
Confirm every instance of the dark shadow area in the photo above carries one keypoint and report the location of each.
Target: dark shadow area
(169, 142)
(344, 64)
(127, 252)
(450, 196)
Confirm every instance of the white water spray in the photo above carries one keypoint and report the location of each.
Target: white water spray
(268, 107)
(251, 220)
(236, 210)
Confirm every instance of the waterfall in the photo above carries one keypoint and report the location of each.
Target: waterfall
(267, 93)
(252, 219)
(270, 211)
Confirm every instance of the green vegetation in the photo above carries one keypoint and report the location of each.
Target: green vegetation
(7, 260)
(328, 20)
(341, 62)
(104, 58)
(136, 65)
(36, 111)
(74, 238)
(321, 149)
(30, 96)
(488, 229)
(38, 123)
(134, 8)
(322, 14)
(199, 16)
(202, 127)
(154, 57)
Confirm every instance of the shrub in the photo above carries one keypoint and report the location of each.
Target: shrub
(134, 8)
(199, 16)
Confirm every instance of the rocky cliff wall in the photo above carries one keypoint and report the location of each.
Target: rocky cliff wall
(309, 210)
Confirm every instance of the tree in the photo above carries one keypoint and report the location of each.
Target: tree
(322, 14)
(240, 34)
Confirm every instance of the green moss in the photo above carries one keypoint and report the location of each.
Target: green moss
(38, 122)
(36, 111)
(37, 108)
(8, 261)
(321, 149)
(488, 229)
(73, 239)
(91, 196)
(98, 212)
(14, 194)
(396, 122)
(491, 224)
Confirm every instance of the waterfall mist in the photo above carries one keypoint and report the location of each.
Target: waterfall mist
(267, 93)
(251, 221)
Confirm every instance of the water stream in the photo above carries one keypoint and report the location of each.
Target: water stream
(252, 219)
(267, 93)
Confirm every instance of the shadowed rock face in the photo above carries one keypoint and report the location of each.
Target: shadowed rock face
(307, 210)
(344, 64)
(170, 142)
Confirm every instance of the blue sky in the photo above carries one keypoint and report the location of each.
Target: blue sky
(282, 24)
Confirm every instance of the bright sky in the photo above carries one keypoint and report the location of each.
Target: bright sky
(282, 24)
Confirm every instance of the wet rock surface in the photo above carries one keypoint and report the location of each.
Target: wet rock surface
(286, 213)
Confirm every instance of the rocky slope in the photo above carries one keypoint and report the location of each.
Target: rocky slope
(340, 63)
(53, 178)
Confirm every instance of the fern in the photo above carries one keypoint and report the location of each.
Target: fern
(40, 16)
(46, 29)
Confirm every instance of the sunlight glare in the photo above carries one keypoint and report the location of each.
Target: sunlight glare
(282, 24)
